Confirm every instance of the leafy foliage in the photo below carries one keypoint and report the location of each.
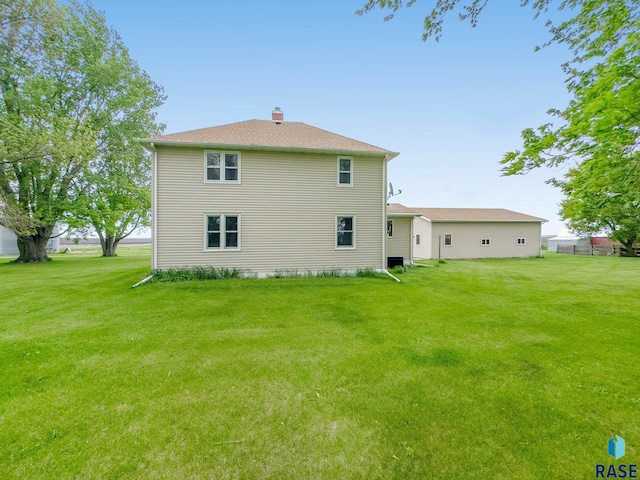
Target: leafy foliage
(398, 269)
(117, 183)
(194, 273)
(599, 130)
(117, 198)
(603, 117)
(603, 194)
(215, 273)
(434, 20)
(67, 86)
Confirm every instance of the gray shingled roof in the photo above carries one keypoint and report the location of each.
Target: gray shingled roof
(475, 215)
(396, 209)
(261, 134)
(462, 214)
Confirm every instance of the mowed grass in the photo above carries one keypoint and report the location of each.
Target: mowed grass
(501, 369)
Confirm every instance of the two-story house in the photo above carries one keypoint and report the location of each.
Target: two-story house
(267, 196)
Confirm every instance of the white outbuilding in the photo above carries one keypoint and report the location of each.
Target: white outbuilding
(566, 238)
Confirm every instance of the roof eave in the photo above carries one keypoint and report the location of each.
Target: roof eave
(168, 143)
(538, 220)
(403, 214)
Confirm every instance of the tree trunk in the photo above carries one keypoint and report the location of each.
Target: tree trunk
(33, 248)
(627, 250)
(109, 244)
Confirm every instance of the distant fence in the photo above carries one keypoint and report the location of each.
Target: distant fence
(618, 250)
(595, 250)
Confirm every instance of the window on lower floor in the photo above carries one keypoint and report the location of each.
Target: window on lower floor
(223, 232)
(448, 239)
(485, 241)
(345, 232)
(389, 228)
(417, 239)
(522, 241)
(231, 231)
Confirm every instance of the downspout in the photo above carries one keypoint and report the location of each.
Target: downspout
(389, 273)
(144, 280)
(412, 242)
(384, 219)
(384, 213)
(154, 206)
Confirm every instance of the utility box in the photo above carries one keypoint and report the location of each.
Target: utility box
(395, 262)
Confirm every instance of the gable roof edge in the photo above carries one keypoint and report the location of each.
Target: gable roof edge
(146, 142)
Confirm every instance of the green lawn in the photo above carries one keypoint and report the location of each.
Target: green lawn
(493, 369)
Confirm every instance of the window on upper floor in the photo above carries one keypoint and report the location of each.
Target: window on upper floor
(345, 232)
(345, 171)
(223, 232)
(222, 167)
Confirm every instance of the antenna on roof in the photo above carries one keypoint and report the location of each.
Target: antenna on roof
(391, 193)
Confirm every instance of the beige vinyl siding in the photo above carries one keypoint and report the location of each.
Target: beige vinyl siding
(400, 244)
(467, 236)
(422, 227)
(288, 203)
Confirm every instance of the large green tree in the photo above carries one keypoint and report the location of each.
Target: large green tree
(599, 134)
(599, 130)
(602, 194)
(65, 79)
(117, 183)
(117, 200)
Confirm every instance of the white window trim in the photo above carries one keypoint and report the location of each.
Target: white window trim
(485, 242)
(335, 235)
(222, 166)
(350, 184)
(444, 242)
(223, 231)
(524, 241)
(393, 228)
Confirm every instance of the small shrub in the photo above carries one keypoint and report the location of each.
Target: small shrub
(366, 273)
(184, 274)
(229, 273)
(285, 274)
(277, 274)
(398, 269)
(334, 272)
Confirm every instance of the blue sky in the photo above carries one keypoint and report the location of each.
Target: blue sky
(452, 109)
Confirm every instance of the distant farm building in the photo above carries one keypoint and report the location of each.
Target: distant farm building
(566, 239)
(9, 242)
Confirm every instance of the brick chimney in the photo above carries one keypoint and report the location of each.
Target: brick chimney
(277, 115)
